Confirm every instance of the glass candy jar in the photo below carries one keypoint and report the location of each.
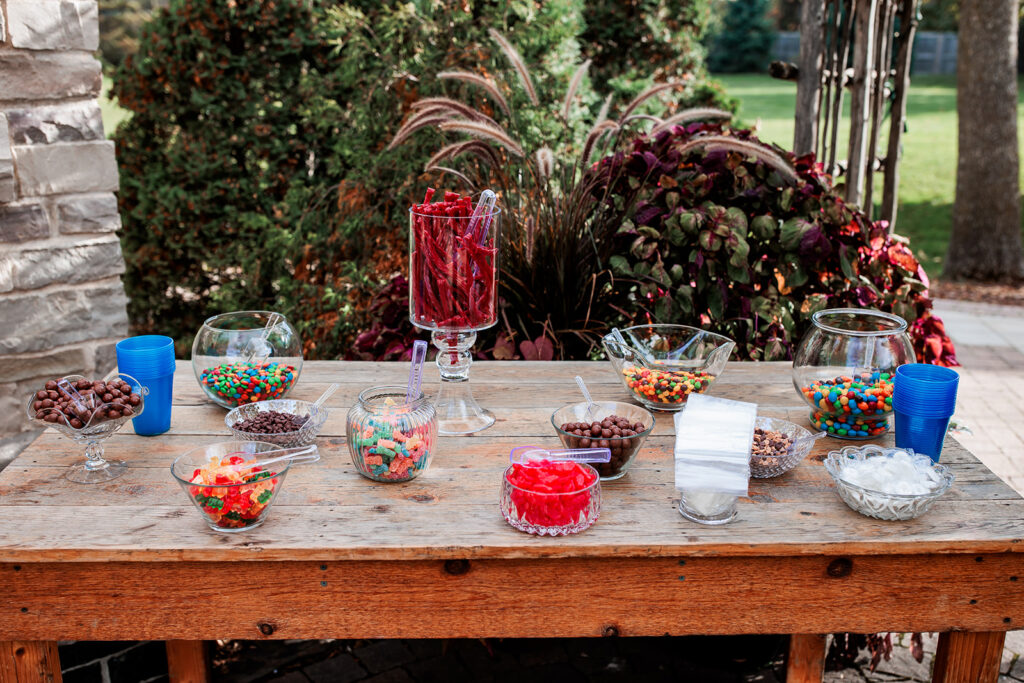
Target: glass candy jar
(844, 369)
(389, 439)
(246, 356)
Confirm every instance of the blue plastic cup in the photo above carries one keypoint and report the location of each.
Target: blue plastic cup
(925, 435)
(923, 401)
(150, 360)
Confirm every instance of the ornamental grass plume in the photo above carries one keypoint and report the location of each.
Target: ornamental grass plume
(557, 285)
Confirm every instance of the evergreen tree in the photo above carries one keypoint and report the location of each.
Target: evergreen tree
(744, 43)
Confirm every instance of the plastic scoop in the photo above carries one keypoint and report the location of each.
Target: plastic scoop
(257, 349)
(419, 355)
(294, 455)
(806, 439)
(326, 395)
(524, 454)
(483, 211)
(586, 394)
(64, 386)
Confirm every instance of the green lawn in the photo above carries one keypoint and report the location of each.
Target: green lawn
(928, 168)
(112, 114)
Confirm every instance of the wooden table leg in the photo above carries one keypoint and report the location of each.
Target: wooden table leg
(187, 661)
(806, 660)
(29, 661)
(964, 657)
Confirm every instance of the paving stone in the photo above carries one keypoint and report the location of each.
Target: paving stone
(91, 673)
(140, 663)
(1017, 670)
(478, 661)
(291, 677)
(76, 653)
(391, 676)
(53, 24)
(425, 648)
(439, 670)
(66, 167)
(383, 655)
(341, 669)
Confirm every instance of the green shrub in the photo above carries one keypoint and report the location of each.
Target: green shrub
(254, 168)
(744, 42)
(745, 240)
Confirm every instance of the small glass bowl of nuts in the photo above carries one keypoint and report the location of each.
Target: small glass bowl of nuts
(778, 447)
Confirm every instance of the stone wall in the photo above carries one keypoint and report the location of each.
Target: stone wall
(62, 305)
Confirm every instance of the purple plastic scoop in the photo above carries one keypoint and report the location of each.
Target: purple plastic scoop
(419, 355)
(64, 386)
(522, 454)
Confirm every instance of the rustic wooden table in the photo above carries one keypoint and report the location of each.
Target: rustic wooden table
(343, 557)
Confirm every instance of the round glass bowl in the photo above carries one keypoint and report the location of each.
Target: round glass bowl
(92, 426)
(235, 498)
(662, 365)
(391, 440)
(237, 359)
(878, 504)
(844, 369)
(304, 435)
(766, 467)
(707, 507)
(624, 447)
(551, 514)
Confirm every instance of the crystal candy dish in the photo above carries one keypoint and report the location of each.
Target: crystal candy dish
(517, 503)
(887, 506)
(304, 435)
(662, 365)
(803, 443)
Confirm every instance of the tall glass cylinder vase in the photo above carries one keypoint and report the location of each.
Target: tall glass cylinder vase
(453, 293)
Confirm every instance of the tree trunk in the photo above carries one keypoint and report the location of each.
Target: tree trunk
(986, 240)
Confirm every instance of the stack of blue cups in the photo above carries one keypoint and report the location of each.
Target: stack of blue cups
(923, 400)
(150, 360)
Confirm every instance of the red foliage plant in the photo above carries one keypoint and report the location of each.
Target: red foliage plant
(747, 240)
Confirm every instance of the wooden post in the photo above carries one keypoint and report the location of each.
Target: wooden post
(843, 36)
(808, 84)
(29, 661)
(187, 661)
(964, 657)
(860, 97)
(898, 116)
(805, 662)
(883, 55)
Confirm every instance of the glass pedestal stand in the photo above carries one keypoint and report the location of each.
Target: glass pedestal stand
(96, 470)
(457, 410)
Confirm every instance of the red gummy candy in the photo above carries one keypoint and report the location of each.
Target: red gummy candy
(551, 492)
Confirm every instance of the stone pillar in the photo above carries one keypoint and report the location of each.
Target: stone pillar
(62, 304)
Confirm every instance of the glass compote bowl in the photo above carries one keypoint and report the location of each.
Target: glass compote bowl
(97, 429)
(453, 293)
(662, 365)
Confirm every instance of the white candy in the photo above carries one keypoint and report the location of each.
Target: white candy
(901, 474)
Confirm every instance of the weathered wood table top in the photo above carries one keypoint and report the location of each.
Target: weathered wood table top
(433, 557)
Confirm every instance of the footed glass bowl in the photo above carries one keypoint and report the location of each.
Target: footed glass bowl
(662, 365)
(95, 429)
(237, 358)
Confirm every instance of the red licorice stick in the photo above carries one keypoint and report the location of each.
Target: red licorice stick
(453, 275)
